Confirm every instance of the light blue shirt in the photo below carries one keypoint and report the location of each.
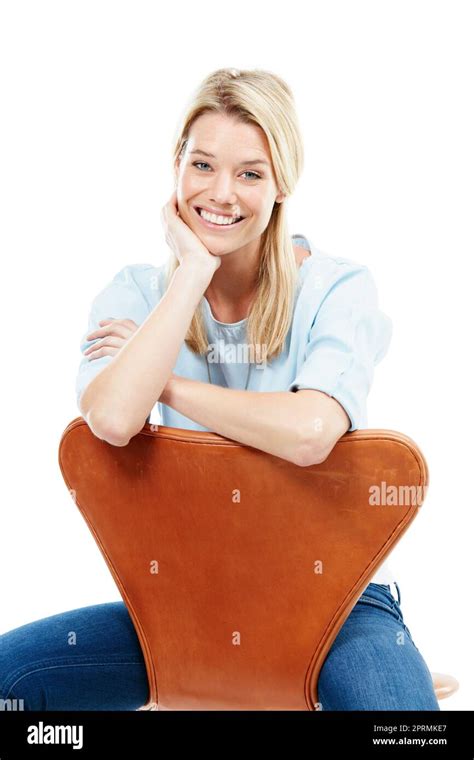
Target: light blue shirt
(337, 336)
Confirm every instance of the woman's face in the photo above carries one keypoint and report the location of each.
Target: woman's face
(227, 182)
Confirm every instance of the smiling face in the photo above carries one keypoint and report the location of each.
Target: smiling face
(229, 182)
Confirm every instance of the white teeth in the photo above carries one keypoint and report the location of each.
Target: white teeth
(217, 219)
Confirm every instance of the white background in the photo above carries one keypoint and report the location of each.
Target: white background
(90, 97)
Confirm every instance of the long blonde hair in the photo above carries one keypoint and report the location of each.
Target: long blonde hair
(262, 98)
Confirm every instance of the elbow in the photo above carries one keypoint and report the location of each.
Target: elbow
(102, 423)
(311, 452)
(116, 440)
(305, 459)
(102, 426)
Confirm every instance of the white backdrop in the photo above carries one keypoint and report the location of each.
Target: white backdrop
(90, 97)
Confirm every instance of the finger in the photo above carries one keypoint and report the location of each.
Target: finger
(106, 351)
(124, 321)
(129, 322)
(117, 327)
(110, 340)
(103, 322)
(171, 206)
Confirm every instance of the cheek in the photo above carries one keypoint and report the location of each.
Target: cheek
(258, 201)
(192, 182)
(188, 191)
(259, 212)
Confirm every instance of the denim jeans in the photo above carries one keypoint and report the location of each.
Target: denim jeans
(91, 659)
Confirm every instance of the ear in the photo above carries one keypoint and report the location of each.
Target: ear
(280, 197)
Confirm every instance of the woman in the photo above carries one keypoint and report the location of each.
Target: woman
(236, 280)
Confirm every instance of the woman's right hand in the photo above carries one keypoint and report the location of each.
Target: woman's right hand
(113, 334)
(184, 243)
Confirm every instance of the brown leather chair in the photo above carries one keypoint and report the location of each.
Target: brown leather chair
(237, 567)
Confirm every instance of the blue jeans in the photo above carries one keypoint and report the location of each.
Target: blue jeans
(91, 659)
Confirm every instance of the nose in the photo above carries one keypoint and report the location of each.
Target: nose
(223, 194)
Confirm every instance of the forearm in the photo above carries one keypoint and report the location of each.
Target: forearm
(117, 402)
(274, 422)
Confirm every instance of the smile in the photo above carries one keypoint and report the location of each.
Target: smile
(213, 226)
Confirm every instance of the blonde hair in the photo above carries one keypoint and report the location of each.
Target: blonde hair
(262, 98)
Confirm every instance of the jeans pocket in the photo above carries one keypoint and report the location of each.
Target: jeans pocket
(372, 597)
(389, 606)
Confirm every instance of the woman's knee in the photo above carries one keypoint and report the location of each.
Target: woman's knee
(375, 668)
(78, 657)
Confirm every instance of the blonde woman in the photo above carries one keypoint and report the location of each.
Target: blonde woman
(248, 332)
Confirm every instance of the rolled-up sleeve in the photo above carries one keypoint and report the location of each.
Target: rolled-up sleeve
(122, 298)
(348, 337)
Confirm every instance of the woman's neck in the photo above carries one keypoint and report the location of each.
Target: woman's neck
(231, 291)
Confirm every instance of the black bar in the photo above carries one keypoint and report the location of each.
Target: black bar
(139, 734)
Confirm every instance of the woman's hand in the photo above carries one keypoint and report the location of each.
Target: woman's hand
(114, 335)
(184, 243)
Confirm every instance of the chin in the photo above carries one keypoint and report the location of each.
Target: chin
(216, 252)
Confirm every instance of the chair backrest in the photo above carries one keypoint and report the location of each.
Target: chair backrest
(237, 567)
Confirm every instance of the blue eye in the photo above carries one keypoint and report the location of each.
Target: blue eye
(196, 163)
(254, 173)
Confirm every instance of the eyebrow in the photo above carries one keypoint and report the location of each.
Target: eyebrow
(243, 163)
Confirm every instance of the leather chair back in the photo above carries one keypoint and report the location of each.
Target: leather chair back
(237, 567)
